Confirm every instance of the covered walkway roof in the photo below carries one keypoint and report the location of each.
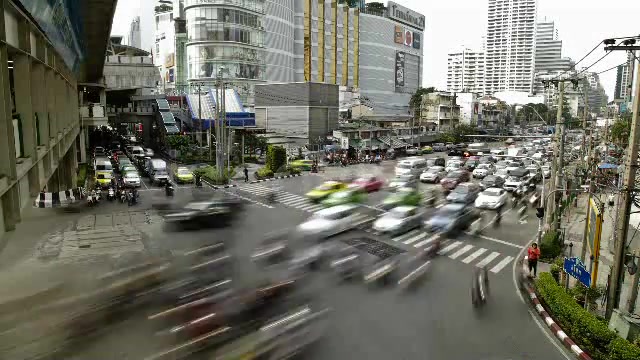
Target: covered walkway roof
(97, 17)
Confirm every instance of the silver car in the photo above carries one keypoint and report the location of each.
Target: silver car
(399, 220)
(332, 221)
(131, 179)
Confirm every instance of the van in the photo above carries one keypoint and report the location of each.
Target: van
(102, 164)
(158, 173)
(136, 151)
(412, 166)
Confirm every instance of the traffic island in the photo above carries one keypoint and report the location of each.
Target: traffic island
(583, 333)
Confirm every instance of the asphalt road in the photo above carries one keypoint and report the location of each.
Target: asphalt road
(434, 321)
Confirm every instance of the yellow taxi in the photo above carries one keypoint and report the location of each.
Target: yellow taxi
(183, 175)
(302, 165)
(103, 178)
(323, 191)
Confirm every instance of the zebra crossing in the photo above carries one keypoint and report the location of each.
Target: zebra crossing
(457, 250)
(292, 200)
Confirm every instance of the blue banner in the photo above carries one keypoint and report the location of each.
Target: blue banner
(60, 20)
(574, 267)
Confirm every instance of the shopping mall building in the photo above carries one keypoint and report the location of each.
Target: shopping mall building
(376, 57)
(50, 50)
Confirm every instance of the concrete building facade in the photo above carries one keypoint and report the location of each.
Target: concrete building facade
(440, 111)
(465, 71)
(510, 45)
(44, 64)
(624, 79)
(134, 38)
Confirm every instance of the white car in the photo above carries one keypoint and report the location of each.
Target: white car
(399, 220)
(433, 175)
(503, 173)
(453, 166)
(132, 179)
(546, 171)
(492, 198)
(482, 170)
(514, 183)
(332, 221)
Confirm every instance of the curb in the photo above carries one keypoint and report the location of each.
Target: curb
(274, 178)
(215, 187)
(555, 328)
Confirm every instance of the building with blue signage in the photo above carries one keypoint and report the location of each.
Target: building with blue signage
(51, 50)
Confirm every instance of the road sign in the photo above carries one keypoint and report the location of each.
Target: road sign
(574, 267)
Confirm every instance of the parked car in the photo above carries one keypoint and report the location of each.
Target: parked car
(454, 178)
(491, 198)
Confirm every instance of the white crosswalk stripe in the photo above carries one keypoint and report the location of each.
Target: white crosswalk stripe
(425, 242)
(461, 251)
(283, 197)
(415, 238)
(450, 247)
(473, 256)
(488, 259)
(501, 264)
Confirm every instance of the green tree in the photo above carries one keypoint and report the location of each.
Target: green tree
(620, 131)
(458, 134)
(530, 111)
(253, 143)
(416, 99)
(375, 7)
(350, 3)
(276, 158)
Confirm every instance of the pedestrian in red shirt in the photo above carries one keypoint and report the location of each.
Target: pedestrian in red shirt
(533, 256)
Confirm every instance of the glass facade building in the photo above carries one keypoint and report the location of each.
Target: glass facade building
(229, 34)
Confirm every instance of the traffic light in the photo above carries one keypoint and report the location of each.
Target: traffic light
(540, 212)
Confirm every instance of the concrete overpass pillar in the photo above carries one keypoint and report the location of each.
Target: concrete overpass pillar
(147, 129)
(22, 71)
(83, 145)
(51, 103)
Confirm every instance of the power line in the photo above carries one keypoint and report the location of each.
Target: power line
(579, 61)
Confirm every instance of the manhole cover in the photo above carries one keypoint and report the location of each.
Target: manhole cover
(374, 247)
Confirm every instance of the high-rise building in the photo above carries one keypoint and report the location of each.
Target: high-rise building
(510, 45)
(549, 49)
(624, 79)
(279, 39)
(465, 71)
(133, 37)
(596, 95)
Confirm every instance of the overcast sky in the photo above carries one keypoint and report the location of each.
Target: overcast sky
(452, 23)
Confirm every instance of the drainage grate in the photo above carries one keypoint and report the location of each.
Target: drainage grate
(374, 247)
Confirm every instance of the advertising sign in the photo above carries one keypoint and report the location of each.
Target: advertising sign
(398, 35)
(169, 60)
(401, 14)
(400, 68)
(408, 38)
(416, 40)
(574, 267)
(61, 21)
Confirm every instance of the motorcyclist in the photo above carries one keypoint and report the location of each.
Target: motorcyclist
(168, 188)
(480, 286)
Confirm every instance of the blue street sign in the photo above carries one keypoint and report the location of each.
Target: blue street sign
(574, 267)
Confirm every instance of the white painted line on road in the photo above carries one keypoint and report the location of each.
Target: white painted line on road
(300, 201)
(494, 219)
(460, 252)
(501, 264)
(312, 208)
(425, 242)
(488, 259)
(415, 238)
(144, 184)
(372, 207)
(287, 197)
(439, 206)
(405, 235)
(450, 247)
(498, 241)
(473, 256)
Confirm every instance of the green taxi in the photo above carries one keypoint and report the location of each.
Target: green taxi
(402, 197)
(183, 175)
(325, 190)
(351, 195)
(302, 165)
(427, 150)
(103, 178)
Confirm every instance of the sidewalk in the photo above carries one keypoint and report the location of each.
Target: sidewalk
(574, 223)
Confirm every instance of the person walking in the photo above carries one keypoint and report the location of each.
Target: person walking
(532, 258)
(246, 175)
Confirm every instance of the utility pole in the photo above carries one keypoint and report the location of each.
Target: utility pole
(557, 165)
(560, 167)
(200, 112)
(625, 199)
(588, 162)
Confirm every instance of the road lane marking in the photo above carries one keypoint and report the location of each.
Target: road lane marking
(405, 236)
(501, 264)
(285, 197)
(488, 259)
(425, 242)
(497, 241)
(494, 219)
(450, 247)
(460, 252)
(473, 256)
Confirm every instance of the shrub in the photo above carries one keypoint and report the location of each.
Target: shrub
(251, 159)
(276, 157)
(210, 174)
(82, 174)
(293, 170)
(263, 173)
(550, 247)
(584, 328)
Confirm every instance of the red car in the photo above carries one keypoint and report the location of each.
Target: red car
(369, 183)
(454, 178)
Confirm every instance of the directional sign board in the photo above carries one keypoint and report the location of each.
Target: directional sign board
(574, 267)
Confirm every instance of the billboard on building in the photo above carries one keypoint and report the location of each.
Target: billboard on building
(408, 38)
(405, 16)
(399, 35)
(61, 22)
(171, 75)
(169, 60)
(416, 40)
(400, 57)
